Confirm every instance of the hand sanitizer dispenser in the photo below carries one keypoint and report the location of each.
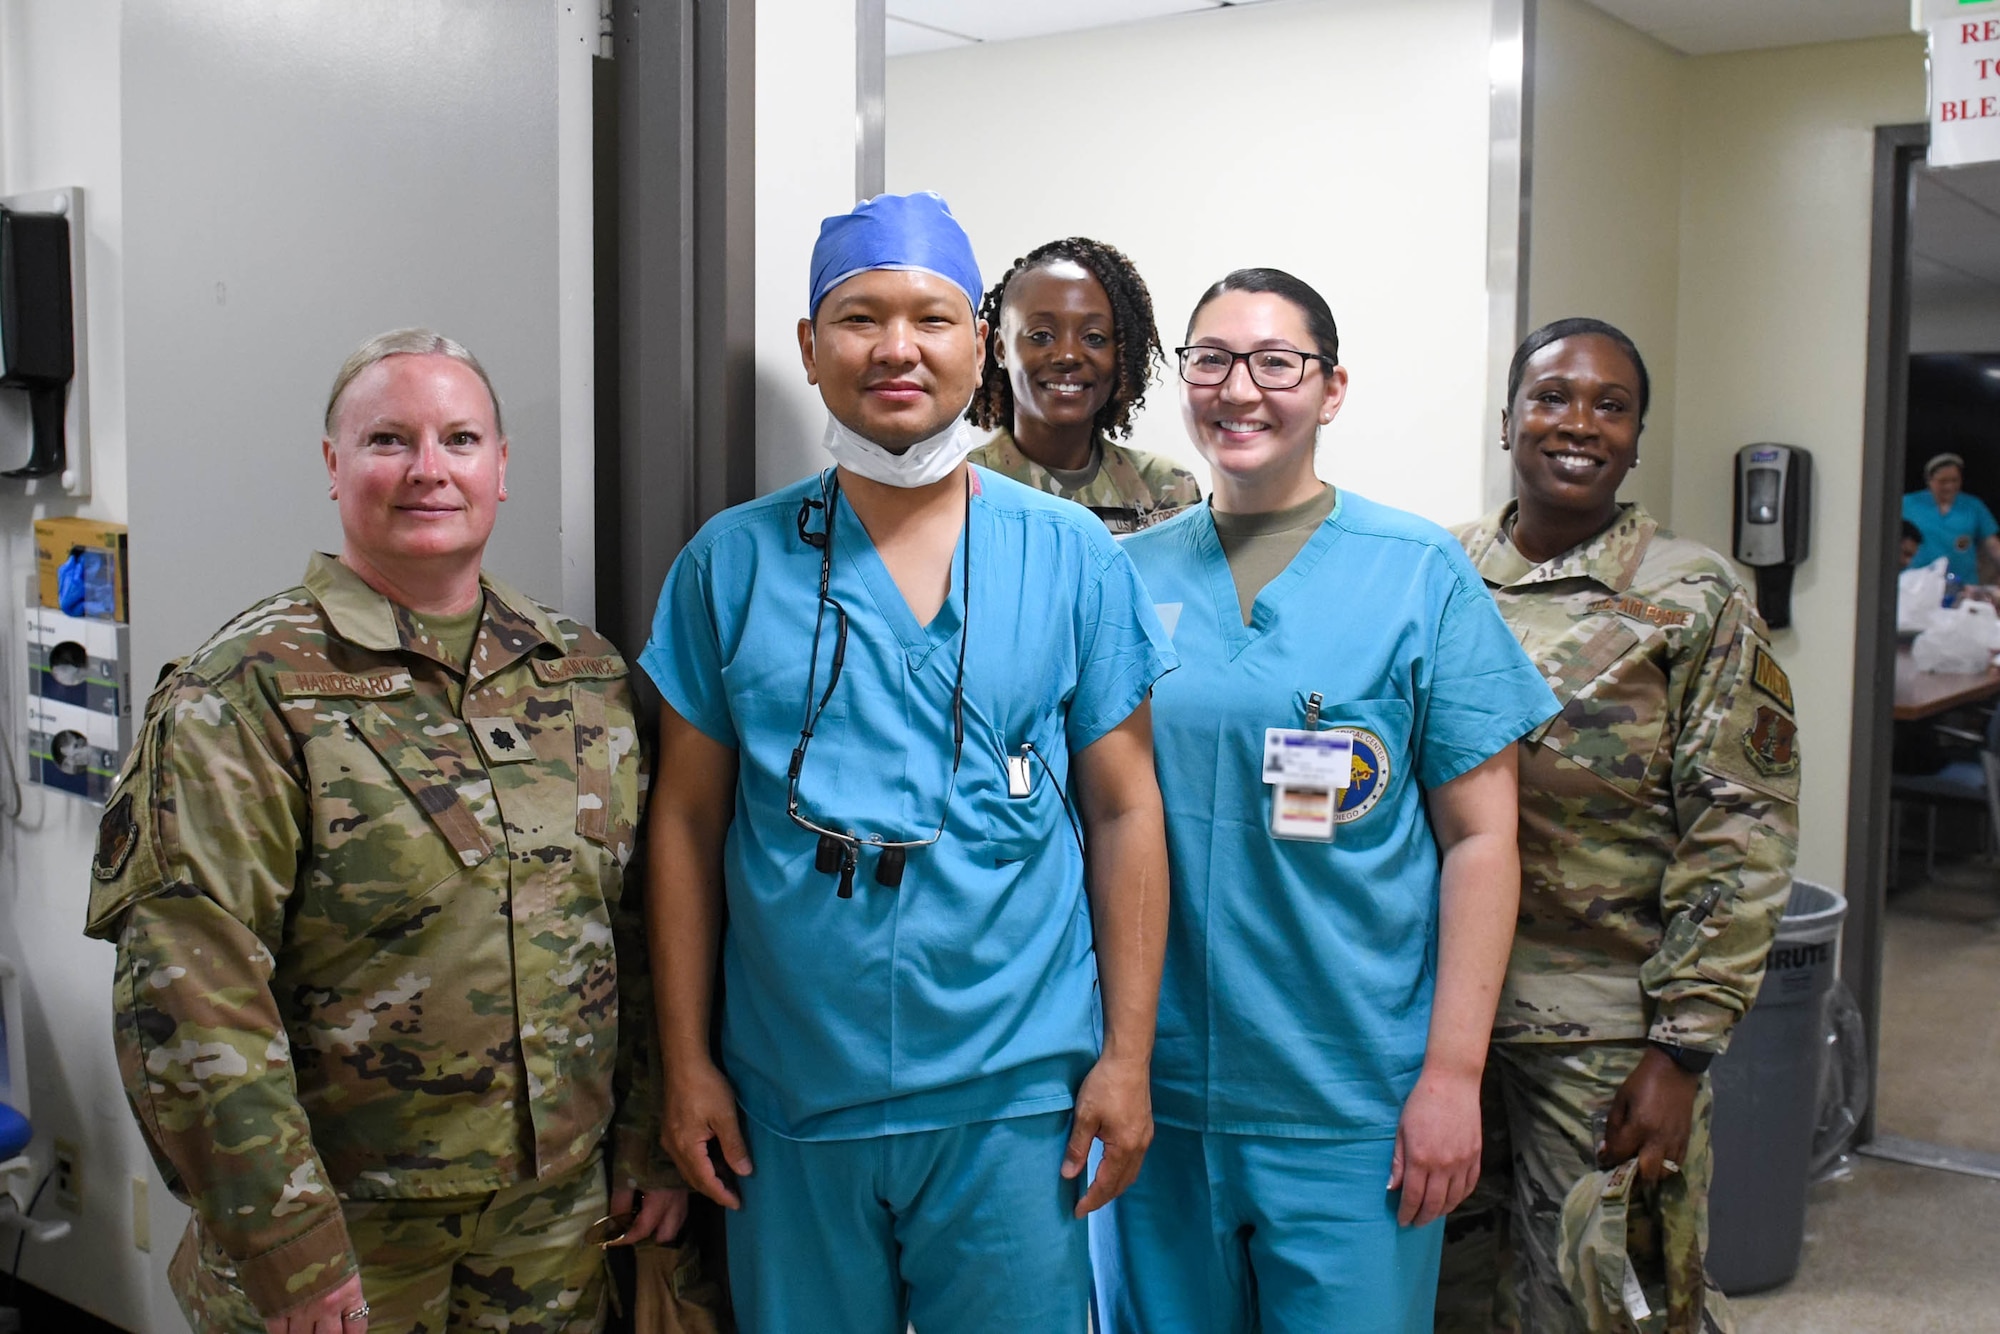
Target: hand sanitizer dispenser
(1773, 522)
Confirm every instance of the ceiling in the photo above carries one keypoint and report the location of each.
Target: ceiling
(1697, 27)
(1705, 27)
(1955, 234)
(933, 25)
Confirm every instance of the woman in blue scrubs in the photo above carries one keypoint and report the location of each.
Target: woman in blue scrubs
(1951, 523)
(1336, 755)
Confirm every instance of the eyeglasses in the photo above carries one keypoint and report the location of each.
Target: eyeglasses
(1270, 367)
(839, 850)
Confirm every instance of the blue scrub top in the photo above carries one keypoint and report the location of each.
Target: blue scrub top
(970, 993)
(1955, 536)
(1297, 998)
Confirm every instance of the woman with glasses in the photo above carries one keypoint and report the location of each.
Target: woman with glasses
(1336, 755)
(1070, 349)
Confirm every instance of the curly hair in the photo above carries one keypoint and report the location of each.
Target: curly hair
(1136, 338)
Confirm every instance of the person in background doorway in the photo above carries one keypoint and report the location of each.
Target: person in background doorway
(1954, 525)
(1336, 753)
(883, 686)
(365, 871)
(1070, 349)
(1659, 823)
(1908, 545)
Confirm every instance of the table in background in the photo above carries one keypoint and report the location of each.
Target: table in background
(1926, 694)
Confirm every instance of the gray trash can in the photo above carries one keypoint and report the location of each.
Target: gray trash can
(1766, 1103)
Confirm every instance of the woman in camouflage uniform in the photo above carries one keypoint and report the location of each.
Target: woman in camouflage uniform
(1658, 828)
(1071, 349)
(364, 872)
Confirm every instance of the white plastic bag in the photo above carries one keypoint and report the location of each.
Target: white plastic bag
(1919, 593)
(1960, 639)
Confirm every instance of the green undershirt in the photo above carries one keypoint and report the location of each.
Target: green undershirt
(1260, 546)
(453, 635)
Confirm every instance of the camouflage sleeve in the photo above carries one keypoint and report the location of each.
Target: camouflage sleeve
(1736, 790)
(201, 1043)
(637, 1160)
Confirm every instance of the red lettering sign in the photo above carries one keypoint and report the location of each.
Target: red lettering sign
(1962, 109)
(1969, 33)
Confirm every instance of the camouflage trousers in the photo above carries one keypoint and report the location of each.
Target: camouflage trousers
(514, 1260)
(1545, 1105)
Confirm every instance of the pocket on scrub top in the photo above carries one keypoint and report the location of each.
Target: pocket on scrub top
(1007, 828)
(1380, 730)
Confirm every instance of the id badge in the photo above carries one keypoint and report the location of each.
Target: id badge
(1307, 772)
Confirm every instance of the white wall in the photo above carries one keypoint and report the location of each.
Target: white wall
(1773, 341)
(60, 109)
(1372, 187)
(1604, 235)
(805, 172)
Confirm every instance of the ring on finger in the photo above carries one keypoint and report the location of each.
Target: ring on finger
(358, 1313)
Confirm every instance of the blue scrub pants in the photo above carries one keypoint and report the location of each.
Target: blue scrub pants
(1226, 1234)
(960, 1231)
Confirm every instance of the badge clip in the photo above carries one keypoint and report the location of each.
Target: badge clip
(1313, 703)
(1020, 775)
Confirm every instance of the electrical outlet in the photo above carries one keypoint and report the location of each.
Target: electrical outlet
(142, 1217)
(68, 1176)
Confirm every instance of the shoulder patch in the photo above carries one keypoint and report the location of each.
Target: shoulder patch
(1771, 742)
(553, 671)
(1641, 610)
(344, 685)
(116, 833)
(1769, 677)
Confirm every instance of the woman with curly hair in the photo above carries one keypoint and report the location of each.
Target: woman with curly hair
(1071, 347)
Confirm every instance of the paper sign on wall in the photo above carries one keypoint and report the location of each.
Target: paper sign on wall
(1965, 81)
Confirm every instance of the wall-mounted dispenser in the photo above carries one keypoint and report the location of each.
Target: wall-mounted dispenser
(44, 382)
(37, 330)
(79, 702)
(1773, 522)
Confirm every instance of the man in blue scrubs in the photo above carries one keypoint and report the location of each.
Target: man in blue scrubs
(885, 686)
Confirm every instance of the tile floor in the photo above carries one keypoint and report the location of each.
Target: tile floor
(1892, 1249)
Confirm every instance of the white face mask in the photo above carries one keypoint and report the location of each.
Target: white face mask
(929, 460)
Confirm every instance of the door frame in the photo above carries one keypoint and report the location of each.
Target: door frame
(1898, 148)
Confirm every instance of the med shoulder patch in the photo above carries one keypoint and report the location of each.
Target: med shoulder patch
(1769, 677)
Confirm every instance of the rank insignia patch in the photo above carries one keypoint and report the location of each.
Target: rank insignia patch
(500, 740)
(1772, 742)
(1769, 677)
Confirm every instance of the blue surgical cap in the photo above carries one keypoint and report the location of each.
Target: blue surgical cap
(894, 232)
